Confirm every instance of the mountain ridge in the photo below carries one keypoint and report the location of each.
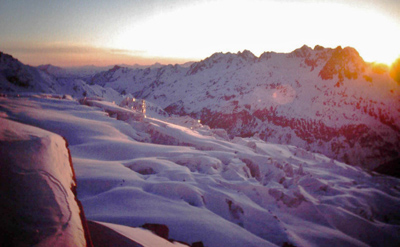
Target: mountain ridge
(268, 94)
(326, 100)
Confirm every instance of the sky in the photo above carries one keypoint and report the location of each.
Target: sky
(76, 33)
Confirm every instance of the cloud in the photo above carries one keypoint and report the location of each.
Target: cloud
(128, 52)
(62, 48)
(66, 54)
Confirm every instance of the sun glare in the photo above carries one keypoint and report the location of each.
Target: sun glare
(201, 29)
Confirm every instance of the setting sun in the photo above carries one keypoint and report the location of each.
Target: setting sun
(198, 30)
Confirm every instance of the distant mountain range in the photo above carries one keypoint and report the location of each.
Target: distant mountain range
(324, 100)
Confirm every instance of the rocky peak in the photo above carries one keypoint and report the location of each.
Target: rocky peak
(115, 68)
(14, 71)
(219, 57)
(266, 55)
(318, 48)
(247, 55)
(8, 61)
(209, 62)
(344, 62)
(304, 51)
(312, 57)
(105, 76)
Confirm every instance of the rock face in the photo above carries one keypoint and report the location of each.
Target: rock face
(38, 190)
(324, 100)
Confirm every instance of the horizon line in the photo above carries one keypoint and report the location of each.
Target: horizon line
(123, 57)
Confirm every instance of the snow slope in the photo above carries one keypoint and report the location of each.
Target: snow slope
(205, 187)
(324, 100)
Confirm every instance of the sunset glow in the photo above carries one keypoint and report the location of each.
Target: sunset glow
(199, 30)
(174, 31)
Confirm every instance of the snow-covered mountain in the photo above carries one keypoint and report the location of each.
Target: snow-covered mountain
(324, 100)
(194, 184)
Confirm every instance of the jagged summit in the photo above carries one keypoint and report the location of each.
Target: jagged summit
(115, 68)
(247, 55)
(318, 47)
(343, 63)
(312, 57)
(304, 51)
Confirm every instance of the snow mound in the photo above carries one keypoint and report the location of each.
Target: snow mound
(37, 189)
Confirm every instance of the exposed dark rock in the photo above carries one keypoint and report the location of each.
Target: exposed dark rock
(197, 244)
(158, 229)
(286, 244)
(105, 237)
(391, 168)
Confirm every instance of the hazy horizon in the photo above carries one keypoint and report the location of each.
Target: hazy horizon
(150, 62)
